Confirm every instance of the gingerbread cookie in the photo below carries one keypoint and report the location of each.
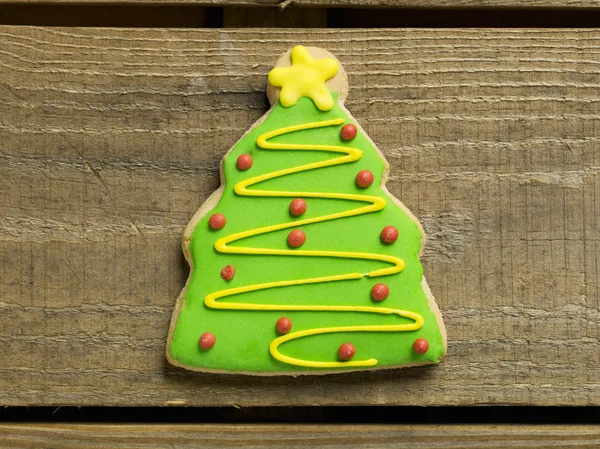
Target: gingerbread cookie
(302, 262)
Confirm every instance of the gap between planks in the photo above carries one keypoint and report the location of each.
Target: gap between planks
(197, 15)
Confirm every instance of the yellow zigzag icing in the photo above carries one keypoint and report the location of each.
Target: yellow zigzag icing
(375, 204)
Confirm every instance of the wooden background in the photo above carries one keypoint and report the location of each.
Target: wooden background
(110, 139)
(61, 436)
(537, 4)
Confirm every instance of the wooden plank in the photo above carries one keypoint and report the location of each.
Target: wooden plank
(110, 139)
(346, 3)
(72, 436)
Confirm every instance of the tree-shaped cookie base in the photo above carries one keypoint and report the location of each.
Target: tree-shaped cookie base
(302, 262)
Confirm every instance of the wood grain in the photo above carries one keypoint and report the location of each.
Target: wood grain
(345, 3)
(110, 139)
(72, 436)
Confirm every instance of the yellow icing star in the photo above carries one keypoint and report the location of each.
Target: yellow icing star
(305, 78)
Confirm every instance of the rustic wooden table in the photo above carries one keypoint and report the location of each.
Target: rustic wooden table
(110, 139)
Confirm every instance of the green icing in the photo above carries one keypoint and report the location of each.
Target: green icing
(243, 337)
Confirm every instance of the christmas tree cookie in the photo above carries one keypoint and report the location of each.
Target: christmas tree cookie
(302, 262)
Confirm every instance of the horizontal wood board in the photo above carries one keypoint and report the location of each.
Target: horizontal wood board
(342, 3)
(110, 139)
(90, 436)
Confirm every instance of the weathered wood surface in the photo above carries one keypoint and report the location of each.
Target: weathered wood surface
(73, 436)
(110, 139)
(347, 3)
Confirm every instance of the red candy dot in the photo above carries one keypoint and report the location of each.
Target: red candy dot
(348, 131)
(379, 292)
(346, 351)
(207, 340)
(420, 346)
(217, 221)
(389, 234)
(228, 272)
(283, 325)
(244, 162)
(298, 207)
(296, 238)
(364, 178)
